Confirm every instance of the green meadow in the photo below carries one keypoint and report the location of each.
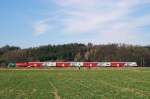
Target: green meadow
(102, 83)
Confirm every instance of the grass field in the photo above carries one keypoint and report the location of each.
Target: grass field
(104, 83)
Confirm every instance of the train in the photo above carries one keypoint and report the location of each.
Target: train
(73, 64)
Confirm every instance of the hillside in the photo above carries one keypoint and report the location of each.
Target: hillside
(77, 52)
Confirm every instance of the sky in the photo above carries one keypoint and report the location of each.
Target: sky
(31, 23)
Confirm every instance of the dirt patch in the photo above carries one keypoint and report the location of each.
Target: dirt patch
(55, 92)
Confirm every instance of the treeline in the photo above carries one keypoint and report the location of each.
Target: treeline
(77, 52)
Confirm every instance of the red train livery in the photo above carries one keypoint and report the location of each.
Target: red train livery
(63, 64)
(21, 64)
(118, 64)
(29, 64)
(35, 64)
(90, 64)
(77, 64)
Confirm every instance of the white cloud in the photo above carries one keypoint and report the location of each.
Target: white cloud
(109, 19)
(40, 27)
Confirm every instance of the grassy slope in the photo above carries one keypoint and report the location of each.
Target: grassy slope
(127, 83)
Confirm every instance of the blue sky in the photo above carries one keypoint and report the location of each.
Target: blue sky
(29, 23)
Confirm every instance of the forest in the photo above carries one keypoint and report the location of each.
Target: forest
(77, 52)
